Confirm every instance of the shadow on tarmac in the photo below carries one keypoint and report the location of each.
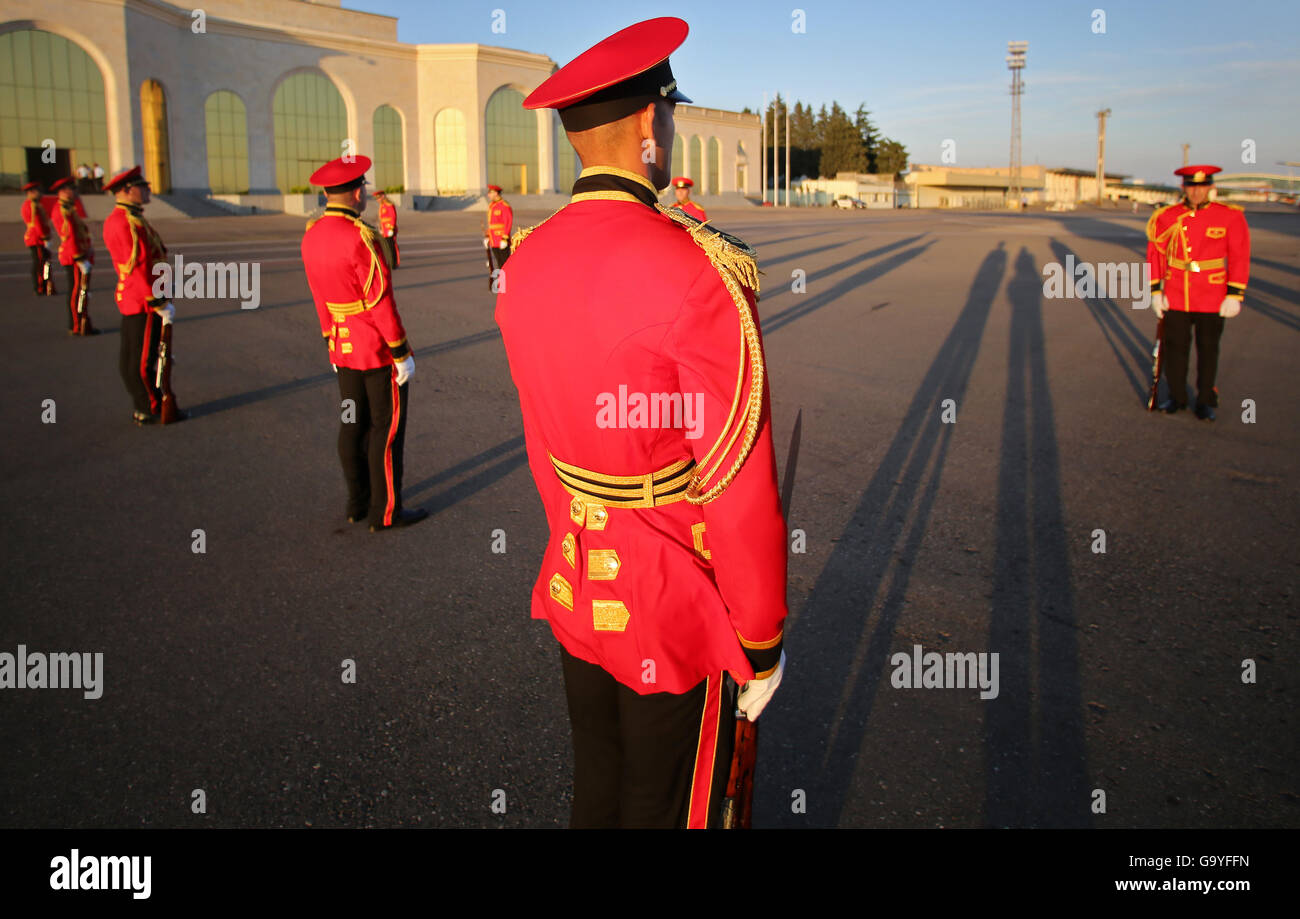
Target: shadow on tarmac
(870, 565)
(1120, 331)
(1035, 754)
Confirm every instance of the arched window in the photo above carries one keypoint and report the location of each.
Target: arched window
(49, 88)
(226, 123)
(451, 152)
(389, 174)
(311, 124)
(511, 142)
(697, 161)
(566, 160)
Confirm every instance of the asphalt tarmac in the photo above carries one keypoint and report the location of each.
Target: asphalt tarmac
(1121, 700)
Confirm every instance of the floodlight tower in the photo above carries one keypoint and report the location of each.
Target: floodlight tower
(1016, 63)
(1101, 152)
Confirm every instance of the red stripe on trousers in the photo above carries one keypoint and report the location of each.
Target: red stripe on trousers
(697, 816)
(388, 449)
(144, 362)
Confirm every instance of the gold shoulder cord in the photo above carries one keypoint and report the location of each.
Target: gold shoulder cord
(368, 237)
(735, 264)
(1167, 240)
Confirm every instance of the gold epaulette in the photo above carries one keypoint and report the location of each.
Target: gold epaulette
(311, 223)
(737, 266)
(519, 236)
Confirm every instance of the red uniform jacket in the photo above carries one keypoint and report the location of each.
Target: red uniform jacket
(38, 225)
(610, 309)
(693, 209)
(501, 221)
(353, 290)
(135, 248)
(74, 235)
(1200, 256)
(387, 218)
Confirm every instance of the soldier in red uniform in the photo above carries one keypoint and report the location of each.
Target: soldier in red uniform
(1199, 253)
(501, 221)
(633, 340)
(682, 189)
(388, 228)
(76, 254)
(37, 234)
(135, 248)
(353, 290)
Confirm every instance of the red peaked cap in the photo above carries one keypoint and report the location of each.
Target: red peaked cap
(615, 77)
(125, 179)
(342, 173)
(683, 182)
(1197, 175)
(30, 185)
(59, 183)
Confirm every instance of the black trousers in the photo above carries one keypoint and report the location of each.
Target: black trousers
(371, 443)
(42, 270)
(78, 297)
(391, 252)
(498, 258)
(1177, 347)
(659, 761)
(138, 360)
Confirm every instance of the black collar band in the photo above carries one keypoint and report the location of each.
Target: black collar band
(605, 181)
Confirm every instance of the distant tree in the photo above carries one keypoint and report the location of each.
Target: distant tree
(891, 157)
(869, 135)
(842, 149)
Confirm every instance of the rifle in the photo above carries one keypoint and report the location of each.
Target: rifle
(168, 412)
(1158, 356)
(738, 803)
(81, 303)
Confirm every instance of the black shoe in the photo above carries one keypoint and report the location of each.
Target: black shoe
(141, 418)
(1169, 407)
(1205, 412)
(402, 518)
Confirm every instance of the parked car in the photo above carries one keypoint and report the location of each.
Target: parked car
(847, 203)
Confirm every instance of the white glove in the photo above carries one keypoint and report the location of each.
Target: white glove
(334, 367)
(167, 311)
(405, 369)
(84, 265)
(505, 244)
(1158, 304)
(755, 694)
(1230, 307)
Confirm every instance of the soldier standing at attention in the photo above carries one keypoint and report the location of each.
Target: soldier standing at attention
(353, 290)
(665, 573)
(682, 189)
(1199, 253)
(388, 228)
(76, 254)
(35, 237)
(501, 220)
(135, 248)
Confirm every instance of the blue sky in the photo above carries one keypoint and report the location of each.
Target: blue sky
(1212, 74)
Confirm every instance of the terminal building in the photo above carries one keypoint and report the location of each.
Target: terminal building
(242, 99)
